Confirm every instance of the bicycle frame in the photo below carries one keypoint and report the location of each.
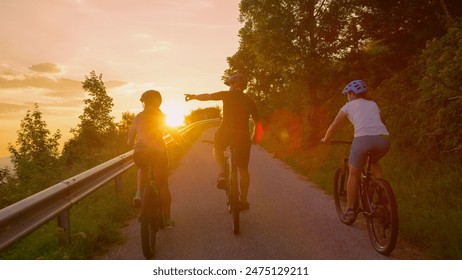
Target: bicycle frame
(364, 185)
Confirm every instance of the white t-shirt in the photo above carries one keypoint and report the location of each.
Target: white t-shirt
(365, 117)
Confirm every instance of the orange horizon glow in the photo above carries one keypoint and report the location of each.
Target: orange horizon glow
(48, 47)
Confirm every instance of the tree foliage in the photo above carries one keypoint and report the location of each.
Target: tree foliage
(299, 54)
(123, 127)
(96, 113)
(97, 131)
(201, 114)
(441, 93)
(35, 155)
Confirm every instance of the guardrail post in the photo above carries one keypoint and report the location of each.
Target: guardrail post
(65, 224)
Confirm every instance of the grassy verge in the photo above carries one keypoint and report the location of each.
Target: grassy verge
(429, 195)
(95, 223)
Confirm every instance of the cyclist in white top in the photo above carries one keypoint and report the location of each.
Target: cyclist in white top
(370, 136)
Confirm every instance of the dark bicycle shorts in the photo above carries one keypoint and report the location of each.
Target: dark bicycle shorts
(242, 144)
(160, 164)
(376, 145)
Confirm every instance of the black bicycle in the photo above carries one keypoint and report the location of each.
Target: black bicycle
(151, 216)
(231, 185)
(376, 202)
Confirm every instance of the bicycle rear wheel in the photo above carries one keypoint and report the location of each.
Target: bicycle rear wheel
(149, 220)
(382, 222)
(340, 194)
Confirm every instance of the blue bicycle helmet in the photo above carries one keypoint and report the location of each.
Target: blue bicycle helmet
(356, 86)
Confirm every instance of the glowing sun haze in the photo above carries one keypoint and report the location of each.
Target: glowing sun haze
(48, 47)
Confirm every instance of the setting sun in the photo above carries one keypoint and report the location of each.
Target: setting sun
(165, 52)
(175, 115)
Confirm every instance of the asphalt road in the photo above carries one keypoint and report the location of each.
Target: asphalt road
(289, 218)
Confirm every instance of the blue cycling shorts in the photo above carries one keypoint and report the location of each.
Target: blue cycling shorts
(376, 145)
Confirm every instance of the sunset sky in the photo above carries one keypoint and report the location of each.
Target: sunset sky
(49, 46)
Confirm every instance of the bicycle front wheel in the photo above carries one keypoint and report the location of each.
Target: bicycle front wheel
(340, 194)
(382, 221)
(149, 223)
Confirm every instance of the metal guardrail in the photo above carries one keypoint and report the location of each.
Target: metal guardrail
(25, 216)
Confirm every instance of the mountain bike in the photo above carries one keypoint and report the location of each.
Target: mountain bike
(232, 185)
(376, 201)
(151, 216)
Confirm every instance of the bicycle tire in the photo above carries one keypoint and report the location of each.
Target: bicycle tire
(340, 195)
(382, 223)
(149, 223)
(228, 173)
(234, 200)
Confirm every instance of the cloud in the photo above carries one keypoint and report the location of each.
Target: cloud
(45, 68)
(43, 84)
(40, 77)
(11, 111)
(115, 84)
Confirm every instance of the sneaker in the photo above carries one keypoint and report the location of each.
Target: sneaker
(137, 200)
(244, 206)
(350, 215)
(221, 182)
(169, 223)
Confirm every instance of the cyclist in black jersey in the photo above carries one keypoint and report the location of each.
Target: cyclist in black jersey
(234, 129)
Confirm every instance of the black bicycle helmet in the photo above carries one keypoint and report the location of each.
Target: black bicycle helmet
(151, 96)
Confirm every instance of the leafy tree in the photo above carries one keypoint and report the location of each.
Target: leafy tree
(35, 156)
(203, 114)
(289, 49)
(299, 54)
(97, 130)
(392, 33)
(4, 175)
(123, 127)
(96, 114)
(441, 93)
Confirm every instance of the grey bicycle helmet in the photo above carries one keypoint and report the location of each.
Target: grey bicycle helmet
(236, 79)
(356, 86)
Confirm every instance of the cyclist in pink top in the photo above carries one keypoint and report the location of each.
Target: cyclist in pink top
(150, 149)
(370, 136)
